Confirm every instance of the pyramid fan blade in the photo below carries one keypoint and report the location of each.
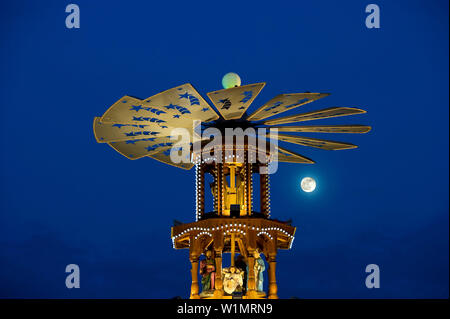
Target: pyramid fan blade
(134, 149)
(325, 128)
(115, 132)
(164, 157)
(232, 103)
(283, 103)
(285, 155)
(315, 142)
(177, 107)
(315, 115)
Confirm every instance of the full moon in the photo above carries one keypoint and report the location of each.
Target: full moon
(230, 80)
(308, 184)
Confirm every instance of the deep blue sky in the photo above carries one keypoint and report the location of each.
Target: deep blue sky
(66, 199)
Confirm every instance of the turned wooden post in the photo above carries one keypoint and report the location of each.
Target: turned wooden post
(251, 280)
(218, 289)
(218, 247)
(194, 274)
(273, 288)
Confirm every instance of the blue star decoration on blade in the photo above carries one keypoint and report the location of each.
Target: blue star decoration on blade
(170, 106)
(141, 133)
(296, 103)
(184, 96)
(192, 98)
(182, 110)
(118, 125)
(154, 147)
(247, 96)
(276, 104)
(136, 108)
(148, 119)
(150, 139)
(176, 116)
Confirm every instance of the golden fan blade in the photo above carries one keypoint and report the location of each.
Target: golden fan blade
(315, 142)
(177, 107)
(134, 149)
(232, 103)
(285, 155)
(325, 128)
(315, 115)
(164, 157)
(284, 102)
(115, 132)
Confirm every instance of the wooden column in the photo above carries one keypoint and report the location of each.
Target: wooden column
(218, 248)
(218, 289)
(271, 260)
(194, 274)
(273, 288)
(194, 253)
(251, 280)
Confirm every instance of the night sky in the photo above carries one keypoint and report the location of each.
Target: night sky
(66, 199)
